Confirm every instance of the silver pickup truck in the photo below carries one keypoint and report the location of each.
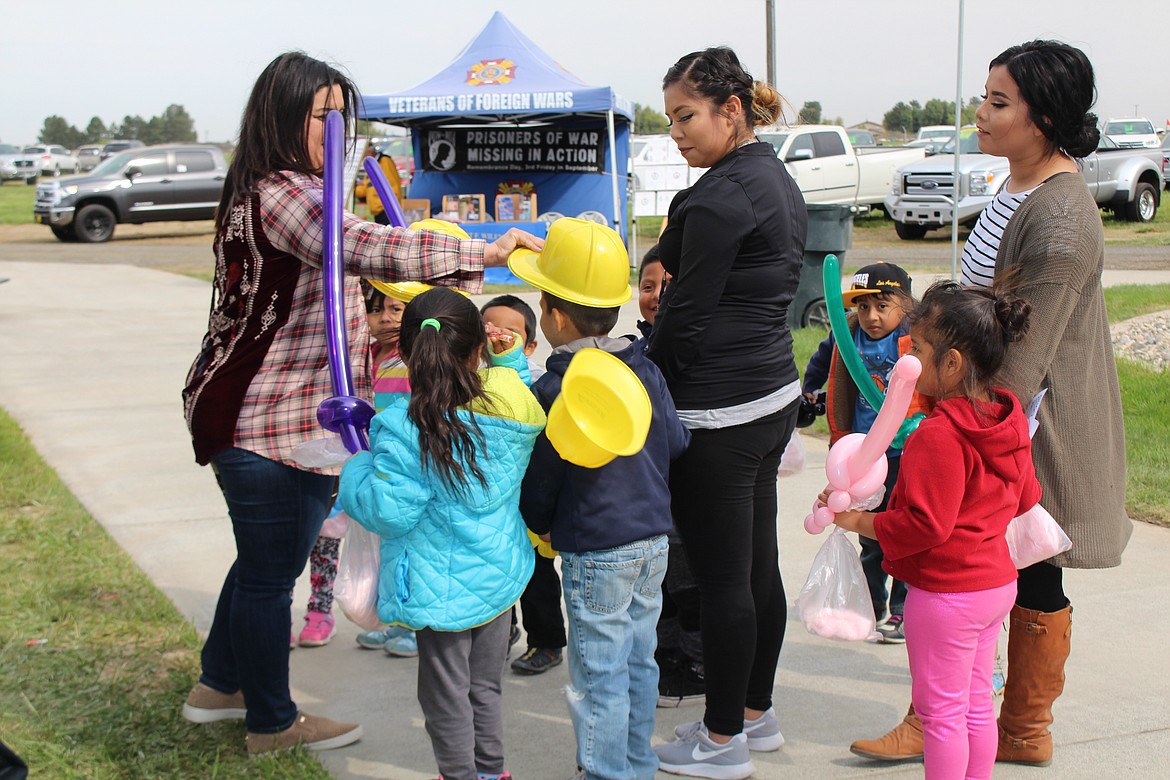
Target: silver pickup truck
(922, 196)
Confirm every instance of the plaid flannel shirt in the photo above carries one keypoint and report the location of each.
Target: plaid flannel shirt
(279, 410)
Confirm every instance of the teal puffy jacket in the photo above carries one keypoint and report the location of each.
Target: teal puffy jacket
(451, 560)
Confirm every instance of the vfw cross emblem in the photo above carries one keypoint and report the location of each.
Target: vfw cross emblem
(499, 71)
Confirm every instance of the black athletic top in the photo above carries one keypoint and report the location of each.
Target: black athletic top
(734, 244)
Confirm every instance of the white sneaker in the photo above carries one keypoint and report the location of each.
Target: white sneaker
(695, 754)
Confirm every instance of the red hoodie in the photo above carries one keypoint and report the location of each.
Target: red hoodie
(964, 476)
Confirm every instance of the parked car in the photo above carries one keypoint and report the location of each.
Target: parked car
(1166, 161)
(932, 137)
(862, 138)
(9, 154)
(49, 160)
(118, 145)
(89, 156)
(922, 198)
(1132, 132)
(150, 184)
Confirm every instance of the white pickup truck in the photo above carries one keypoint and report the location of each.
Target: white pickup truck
(1125, 181)
(828, 169)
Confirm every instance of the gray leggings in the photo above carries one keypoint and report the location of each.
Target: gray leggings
(459, 675)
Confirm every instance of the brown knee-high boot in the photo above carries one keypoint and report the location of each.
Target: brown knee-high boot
(1038, 646)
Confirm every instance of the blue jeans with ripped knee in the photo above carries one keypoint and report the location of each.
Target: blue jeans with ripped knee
(614, 598)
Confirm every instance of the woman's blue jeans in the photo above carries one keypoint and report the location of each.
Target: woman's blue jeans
(276, 513)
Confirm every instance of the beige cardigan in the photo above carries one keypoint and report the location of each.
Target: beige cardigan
(1056, 243)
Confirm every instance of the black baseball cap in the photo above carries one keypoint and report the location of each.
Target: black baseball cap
(874, 279)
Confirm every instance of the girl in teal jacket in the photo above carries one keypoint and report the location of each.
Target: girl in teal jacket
(441, 486)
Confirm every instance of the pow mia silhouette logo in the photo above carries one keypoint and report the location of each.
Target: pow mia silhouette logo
(441, 150)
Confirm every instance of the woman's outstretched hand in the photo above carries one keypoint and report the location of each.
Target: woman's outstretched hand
(496, 253)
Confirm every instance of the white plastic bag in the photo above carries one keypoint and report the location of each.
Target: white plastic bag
(792, 461)
(834, 602)
(356, 588)
(1034, 536)
(336, 524)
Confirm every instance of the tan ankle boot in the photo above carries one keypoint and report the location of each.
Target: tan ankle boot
(1038, 646)
(903, 743)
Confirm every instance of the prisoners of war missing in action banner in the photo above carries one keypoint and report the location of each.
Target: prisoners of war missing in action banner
(539, 149)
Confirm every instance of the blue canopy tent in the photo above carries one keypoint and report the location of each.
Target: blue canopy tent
(504, 112)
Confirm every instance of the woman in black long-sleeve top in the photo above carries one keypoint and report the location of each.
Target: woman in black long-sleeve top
(733, 245)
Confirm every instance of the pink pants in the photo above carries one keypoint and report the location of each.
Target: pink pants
(950, 638)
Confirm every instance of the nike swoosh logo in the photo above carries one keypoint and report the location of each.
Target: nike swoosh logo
(700, 751)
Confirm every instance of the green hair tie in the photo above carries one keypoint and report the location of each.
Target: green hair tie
(428, 322)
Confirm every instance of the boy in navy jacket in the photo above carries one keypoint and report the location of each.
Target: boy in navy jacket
(609, 523)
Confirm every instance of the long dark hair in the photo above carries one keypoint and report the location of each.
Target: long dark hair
(1056, 81)
(273, 133)
(978, 323)
(442, 380)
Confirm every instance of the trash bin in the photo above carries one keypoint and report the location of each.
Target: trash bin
(830, 232)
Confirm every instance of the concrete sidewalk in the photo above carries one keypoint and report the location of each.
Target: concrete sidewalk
(93, 359)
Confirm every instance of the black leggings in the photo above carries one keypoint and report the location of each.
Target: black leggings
(723, 497)
(1041, 587)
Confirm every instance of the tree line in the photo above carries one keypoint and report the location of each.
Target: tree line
(903, 119)
(174, 125)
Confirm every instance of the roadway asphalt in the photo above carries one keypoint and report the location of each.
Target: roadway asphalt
(94, 357)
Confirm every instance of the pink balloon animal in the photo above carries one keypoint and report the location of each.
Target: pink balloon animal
(856, 465)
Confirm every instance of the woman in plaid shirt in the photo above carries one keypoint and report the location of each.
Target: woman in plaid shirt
(253, 391)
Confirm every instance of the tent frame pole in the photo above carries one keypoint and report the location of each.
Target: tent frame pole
(613, 170)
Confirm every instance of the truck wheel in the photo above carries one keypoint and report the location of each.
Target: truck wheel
(31, 179)
(816, 315)
(64, 233)
(1144, 206)
(908, 232)
(94, 224)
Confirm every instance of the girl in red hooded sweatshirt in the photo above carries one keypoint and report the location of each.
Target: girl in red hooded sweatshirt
(966, 472)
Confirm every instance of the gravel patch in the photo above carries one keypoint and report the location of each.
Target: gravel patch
(1145, 339)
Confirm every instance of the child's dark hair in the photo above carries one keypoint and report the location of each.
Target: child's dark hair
(374, 298)
(520, 307)
(441, 331)
(588, 320)
(978, 323)
(652, 256)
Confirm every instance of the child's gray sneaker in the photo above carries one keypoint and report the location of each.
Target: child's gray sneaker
(695, 754)
(763, 733)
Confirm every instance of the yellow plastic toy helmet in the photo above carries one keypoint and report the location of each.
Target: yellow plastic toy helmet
(440, 226)
(408, 291)
(582, 262)
(603, 411)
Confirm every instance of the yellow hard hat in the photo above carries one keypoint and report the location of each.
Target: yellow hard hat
(582, 262)
(408, 291)
(603, 411)
(440, 226)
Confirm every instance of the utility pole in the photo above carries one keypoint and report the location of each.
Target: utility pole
(770, 28)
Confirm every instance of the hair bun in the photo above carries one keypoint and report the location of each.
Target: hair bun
(766, 104)
(1012, 312)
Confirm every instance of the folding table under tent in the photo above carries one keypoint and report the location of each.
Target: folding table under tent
(504, 112)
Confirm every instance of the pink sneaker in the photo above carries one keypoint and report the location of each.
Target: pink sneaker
(318, 630)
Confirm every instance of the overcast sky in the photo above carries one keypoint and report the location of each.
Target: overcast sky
(856, 57)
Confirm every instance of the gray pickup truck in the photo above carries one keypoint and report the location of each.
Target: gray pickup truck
(922, 195)
(148, 184)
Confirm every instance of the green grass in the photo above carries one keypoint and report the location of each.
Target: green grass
(16, 203)
(1144, 397)
(1131, 300)
(94, 660)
